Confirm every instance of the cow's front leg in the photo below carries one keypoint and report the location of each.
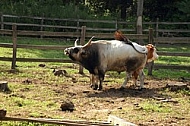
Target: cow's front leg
(128, 76)
(100, 83)
(93, 82)
(101, 79)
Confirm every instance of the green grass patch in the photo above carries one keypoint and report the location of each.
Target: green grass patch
(173, 48)
(170, 74)
(152, 106)
(35, 53)
(171, 60)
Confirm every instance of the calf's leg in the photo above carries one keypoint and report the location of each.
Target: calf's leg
(141, 76)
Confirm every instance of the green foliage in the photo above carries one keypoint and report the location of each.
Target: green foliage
(50, 8)
(175, 10)
(184, 10)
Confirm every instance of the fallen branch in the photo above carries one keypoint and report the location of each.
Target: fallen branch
(119, 122)
(58, 122)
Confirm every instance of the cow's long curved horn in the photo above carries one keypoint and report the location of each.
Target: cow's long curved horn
(89, 42)
(76, 42)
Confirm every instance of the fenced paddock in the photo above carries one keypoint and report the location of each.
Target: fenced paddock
(15, 31)
(12, 26)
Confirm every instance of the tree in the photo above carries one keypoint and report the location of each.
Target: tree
(113, 7)
(183, 11)
(139, 17)
(162, 9)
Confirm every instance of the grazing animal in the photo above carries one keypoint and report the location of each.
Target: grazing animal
(101, 56)
(151, 55)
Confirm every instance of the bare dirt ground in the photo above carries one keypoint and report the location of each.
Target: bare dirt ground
(130, 104)
(154, 105)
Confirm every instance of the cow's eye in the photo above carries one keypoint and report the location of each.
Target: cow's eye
(76, 50)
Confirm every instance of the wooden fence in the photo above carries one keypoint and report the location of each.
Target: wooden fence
(38, 26)
(82, 33)
(161, 28)
(14, 32)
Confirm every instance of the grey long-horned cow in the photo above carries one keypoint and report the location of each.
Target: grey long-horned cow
(101, 56)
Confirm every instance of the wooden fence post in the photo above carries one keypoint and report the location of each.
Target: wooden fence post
(157, 20)
(14, 35)
(2, 25)
(116, 24)
(150, 36)
(82, 41)
(150, 65)
(41, 28)
(78, 25)
(139, 19)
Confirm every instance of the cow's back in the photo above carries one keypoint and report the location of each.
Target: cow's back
(115, 55)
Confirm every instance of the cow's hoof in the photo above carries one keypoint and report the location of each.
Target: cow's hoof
(94, 87)
(99, 88)
(141, 89)
(121, 88)
(91, 86)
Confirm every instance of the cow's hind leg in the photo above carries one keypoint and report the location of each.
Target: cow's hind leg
(141, 76)
(128, 76)
(135, 77)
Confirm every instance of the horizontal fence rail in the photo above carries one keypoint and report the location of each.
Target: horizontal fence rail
(41, 22)
(172, 40)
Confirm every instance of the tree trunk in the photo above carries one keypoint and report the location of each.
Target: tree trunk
(139, 18)
(123, 12)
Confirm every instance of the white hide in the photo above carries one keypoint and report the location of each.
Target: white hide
(114, 51)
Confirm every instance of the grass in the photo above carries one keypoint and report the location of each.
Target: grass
(34, 53)
(42, 97)
(152, 106)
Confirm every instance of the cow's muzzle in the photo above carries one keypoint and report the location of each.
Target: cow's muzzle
(67, 51)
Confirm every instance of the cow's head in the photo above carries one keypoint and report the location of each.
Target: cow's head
(152, 55)
(77, 53)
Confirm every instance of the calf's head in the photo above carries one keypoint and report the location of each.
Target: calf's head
(77, 53)
(152, 55)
